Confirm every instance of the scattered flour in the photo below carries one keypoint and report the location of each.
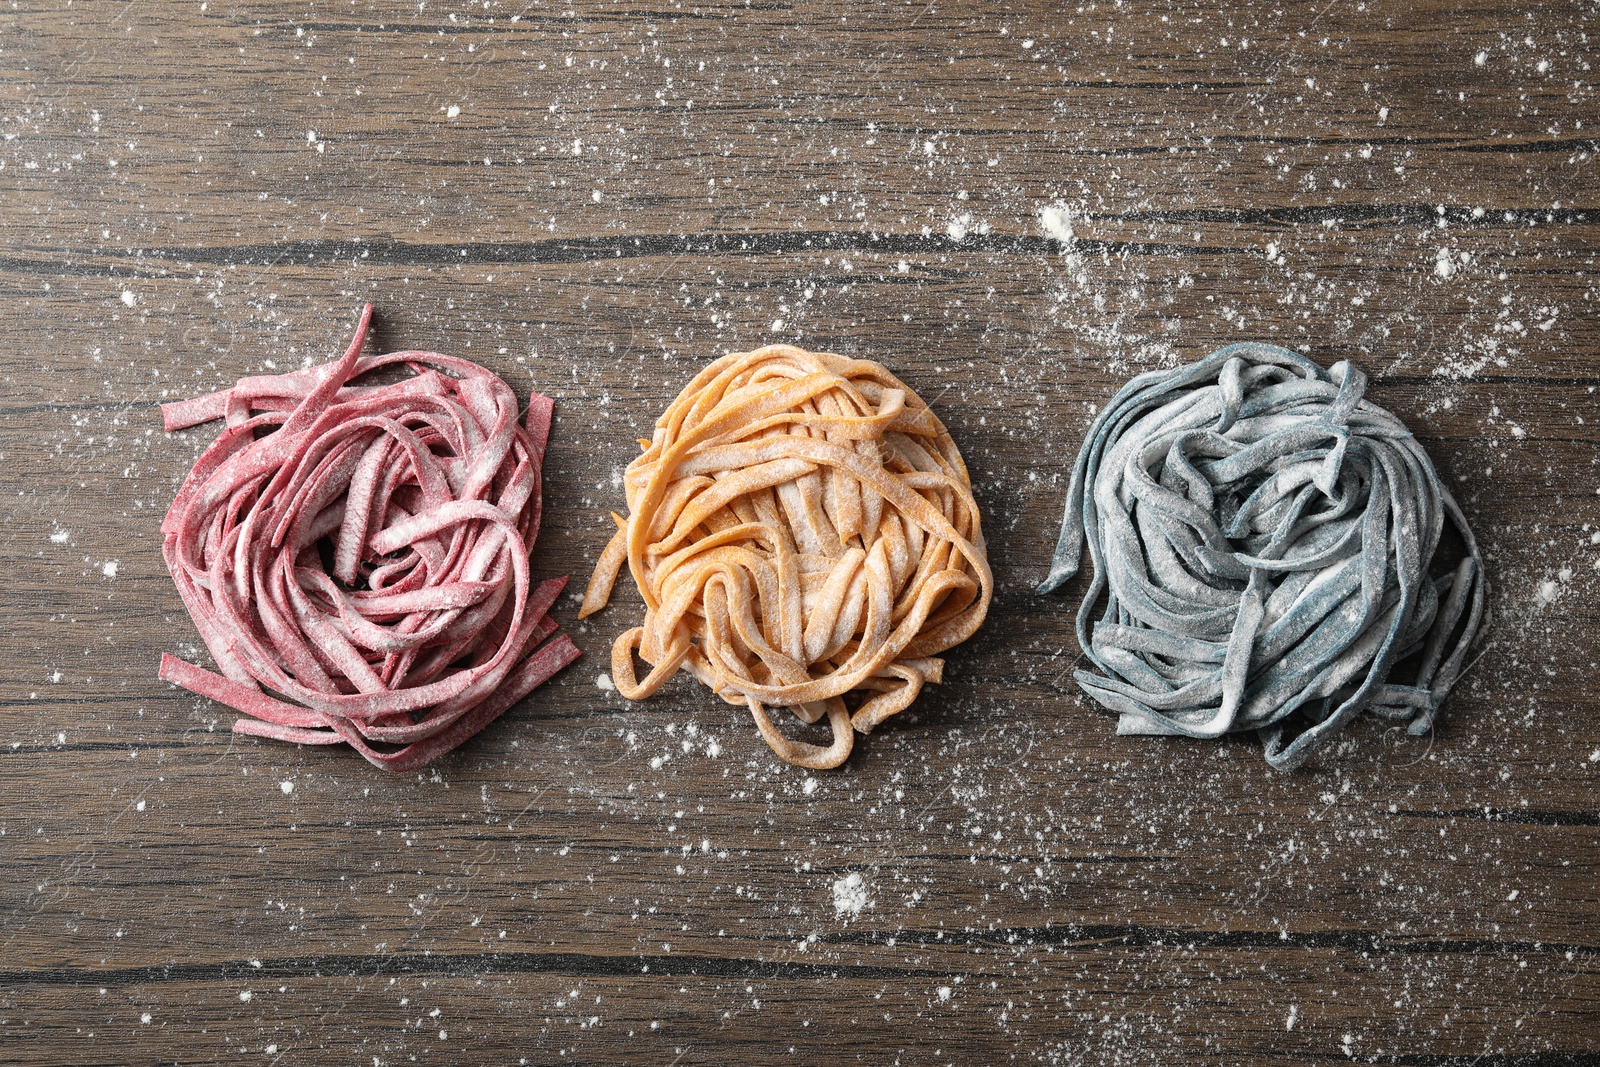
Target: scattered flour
(1056, 219)
(850, 894)
(1551, 589)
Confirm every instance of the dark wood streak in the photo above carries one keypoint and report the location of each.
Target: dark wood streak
(1533, 817)
(1093, 940)
(1530, 1059)
(565, 963)
(1110, 936)
(580, 250)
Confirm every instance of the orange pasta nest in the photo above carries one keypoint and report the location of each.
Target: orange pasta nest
(803, 532)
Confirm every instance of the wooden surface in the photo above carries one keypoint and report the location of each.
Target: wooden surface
(595, 200)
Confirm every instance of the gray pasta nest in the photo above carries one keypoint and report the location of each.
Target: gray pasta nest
(1262, 541)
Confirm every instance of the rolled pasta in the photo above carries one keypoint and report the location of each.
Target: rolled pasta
(803, 532)
(362, 550)
(1263, 541)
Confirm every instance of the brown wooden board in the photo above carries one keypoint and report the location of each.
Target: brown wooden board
(595, 200)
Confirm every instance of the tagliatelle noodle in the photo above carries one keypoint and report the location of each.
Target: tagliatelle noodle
(1263, 540)
(803, 532)
(362, 551)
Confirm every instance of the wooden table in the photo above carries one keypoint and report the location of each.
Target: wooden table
(1016, 208)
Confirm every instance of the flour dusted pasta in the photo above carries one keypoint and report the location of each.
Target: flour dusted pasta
(803, 532)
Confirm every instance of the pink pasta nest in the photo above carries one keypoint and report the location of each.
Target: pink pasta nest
(362, 551)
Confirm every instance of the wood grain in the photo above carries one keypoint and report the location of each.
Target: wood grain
(595, 200)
